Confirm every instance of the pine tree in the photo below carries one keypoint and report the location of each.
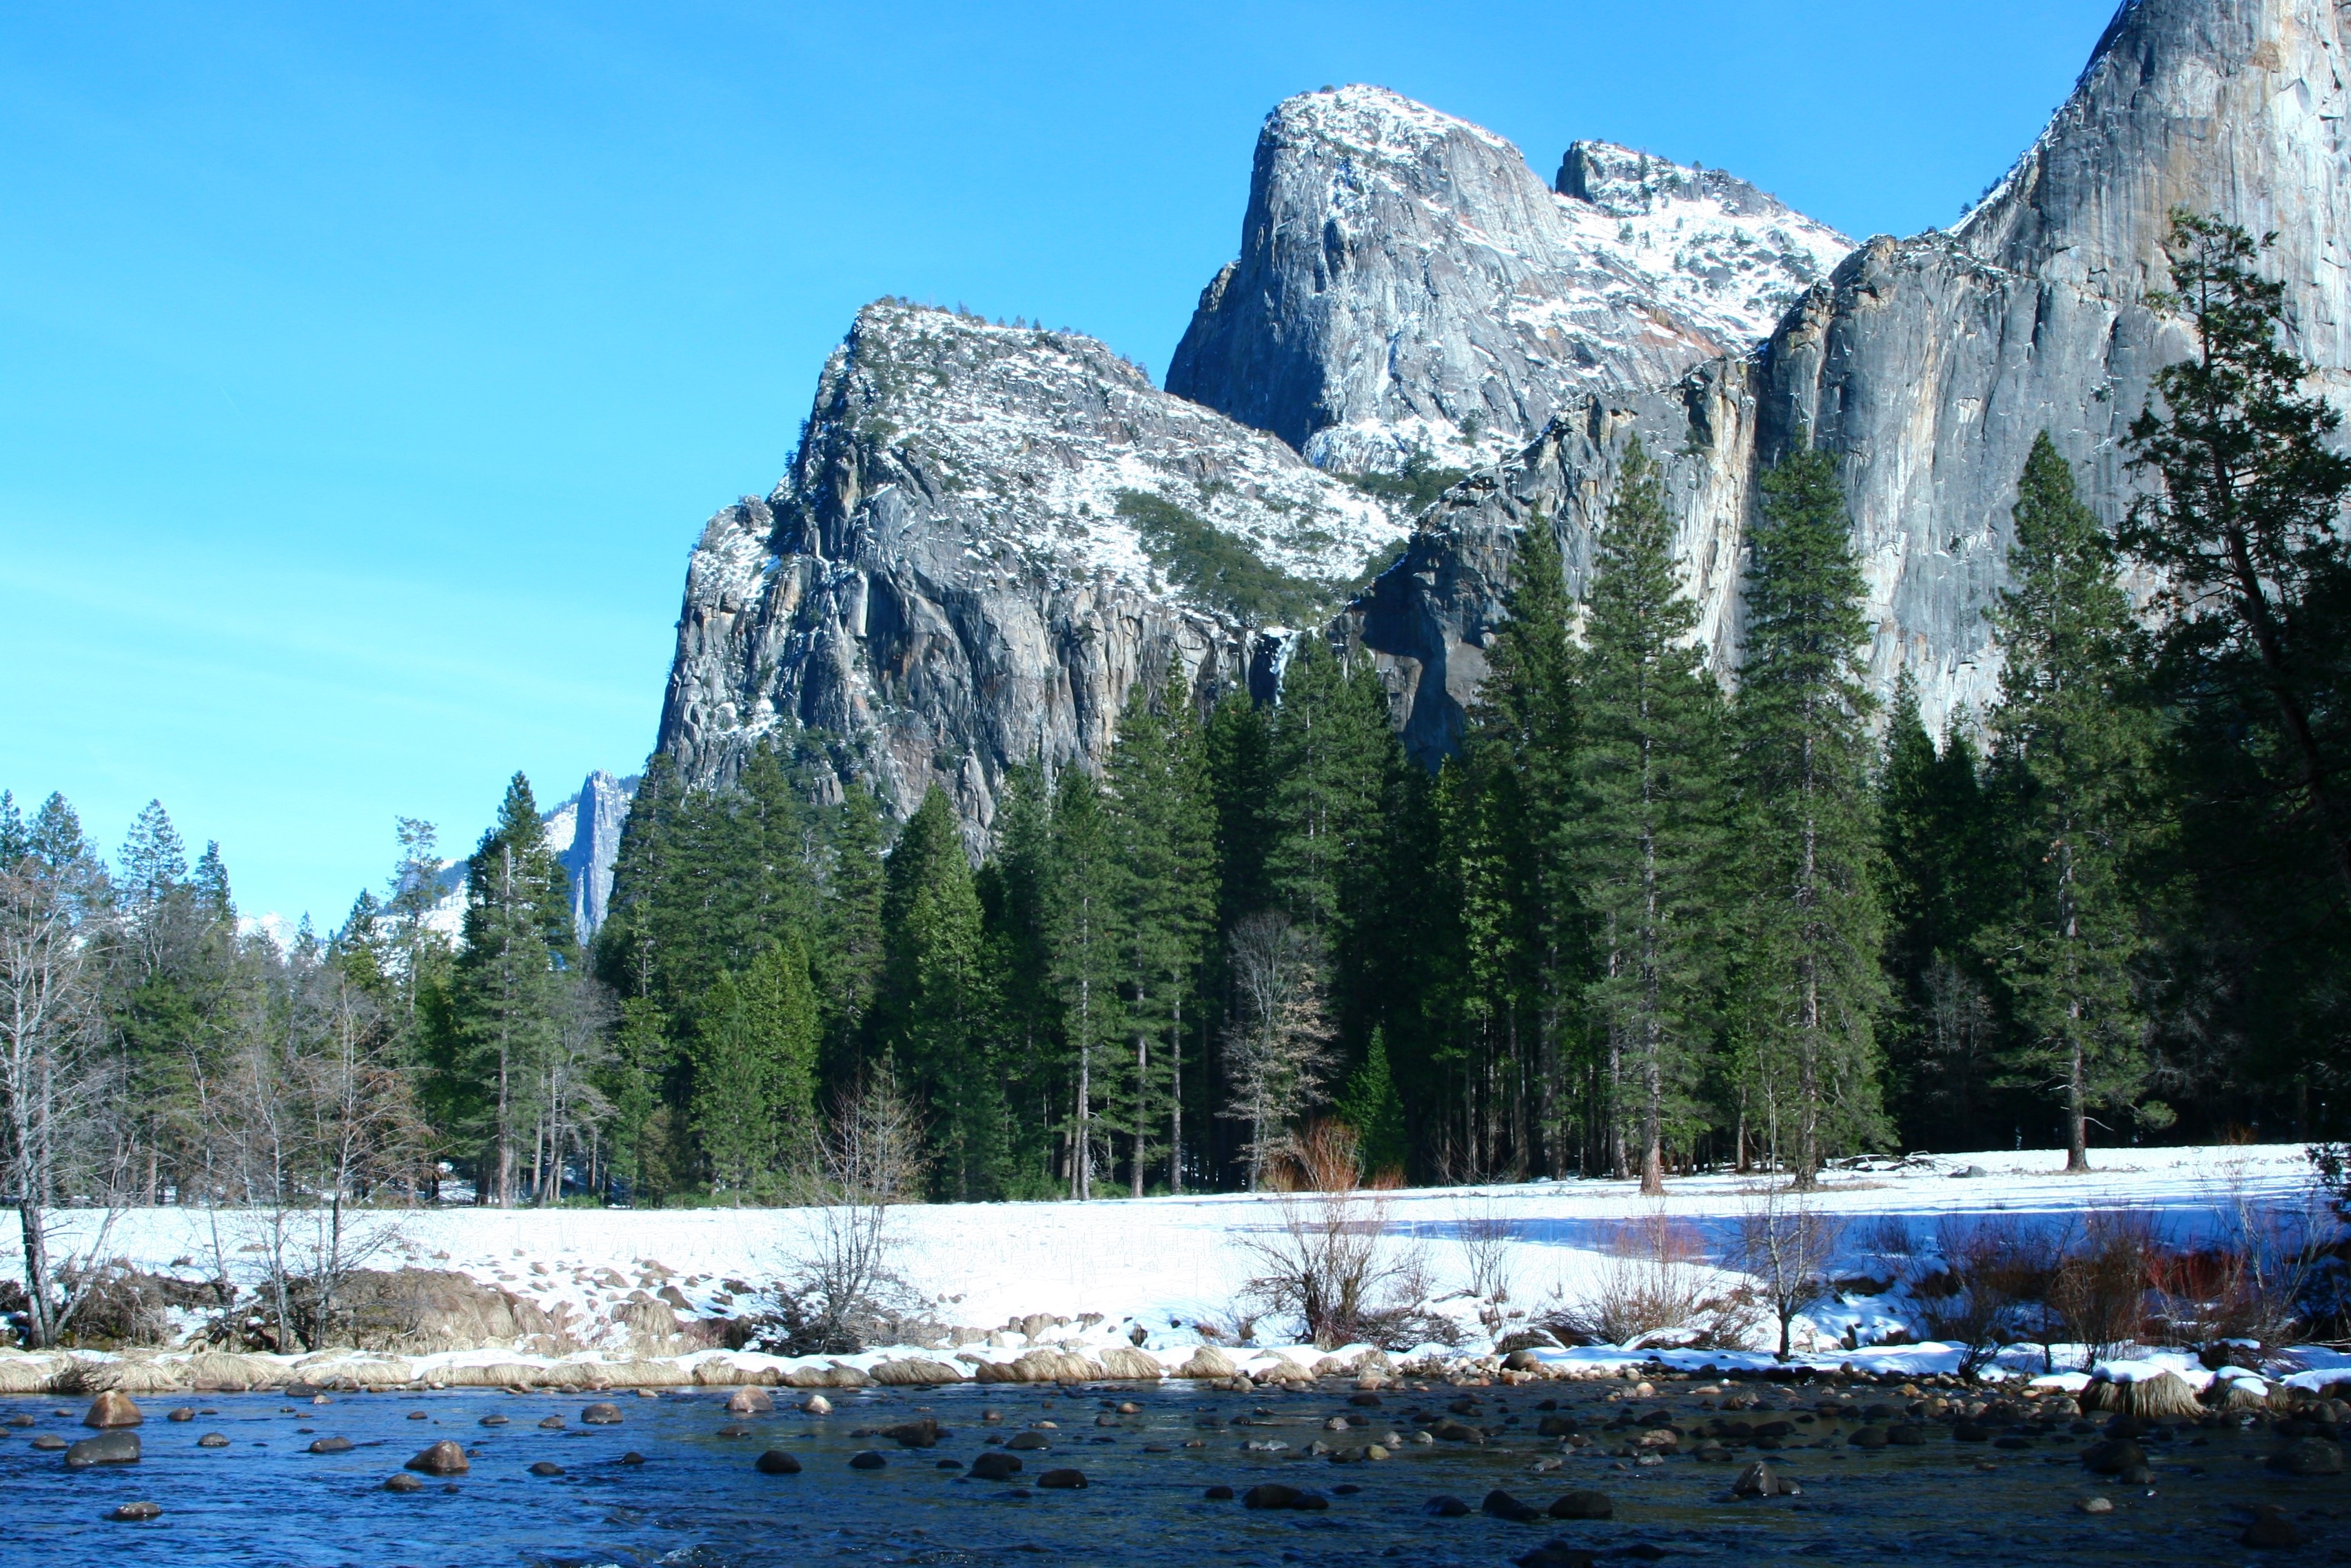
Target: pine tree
(15, 843)
(1941, 860)
(1163, 815)
(1084, 943)
(755, 1073)
(518, 933)
(1649, 844)
(2245, 532)
(1520, 926)
(1015, 887)
(1371, 1105)
(1331, 748)
(2075, 738)
(939, 1006)
(1813, 987)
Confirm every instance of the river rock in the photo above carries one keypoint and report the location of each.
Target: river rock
(734, 1429)
(2095, 1505)
(1759, 1479)
(443, 1458)
(750, 1400)
(1218, 1494)
(1028, 1442)
(1500, 1504)
(184, 1413)
(116, 1447)
(403, 1483)
(817, 1405)
(49, 1442)
(1456, 1432)
(601, 1414)
(995, 1465)
(331, 1445)
(136, 1513)
(1583, 1505)
(552, 1424)
(492, 1421)
(1062, 1481)
(2308, 1457)
(867, 1459)
(112, 1408)
(1447, 1507)
(922, 1434)
(546, 1467)
(2114, 1455)
(2271, 1529)
(1273, 1494)
(776, 1462)
(1869, 1437)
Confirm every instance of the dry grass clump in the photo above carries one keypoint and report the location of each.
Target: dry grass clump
(1654, 1286)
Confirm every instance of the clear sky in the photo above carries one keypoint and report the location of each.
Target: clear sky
(366, 372)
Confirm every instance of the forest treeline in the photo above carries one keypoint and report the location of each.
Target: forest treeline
(1643, 920)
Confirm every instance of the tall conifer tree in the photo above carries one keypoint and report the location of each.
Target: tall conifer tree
(2074, 738)
(1649, 840)
(1813, 984)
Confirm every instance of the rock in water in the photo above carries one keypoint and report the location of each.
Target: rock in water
(1446, 1506)
(117, 1447)
(922, 1434)
(776, 1462)
(1063, 1480)
(1583, 1505)
(868, 1460)
(601, 1414)
(2309, 1456)
(1500, 1504)
(546, 1467)
(443, 1458)
(1273, 1494)
(2114, 1456)
(1759, 1479)
(134, 1513)
(994, 1466)
(749, 1400)
(331, 1445)
(402, 1483)
(184, 1413)
(2271, 1529)
(112, 1409)
(817, 1405)
(1028, 1442)
(213, 1440)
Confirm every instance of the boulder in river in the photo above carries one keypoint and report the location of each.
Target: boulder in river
(184, 1413)
(1062, 1481)
(213, 1440)
(601, 1414)
(1447, 1507)
(106, 1448)
(1029, 1442)
(1760, 1480)
(136, 1513)
(2308, 1457)
(2114, 1455)
(112, 1408)
(867, 1459)
(1583, 1505)
(817, 1405)
(2271, 1529)
(1273, 1494)
(922, 1434)
(546, 1467)
(443, 1458)
(750, 1400)
(331, 1445)
(49, 1442)
(776, 1462)
(1500, 1504)
(994, 1466)
(403, 1483)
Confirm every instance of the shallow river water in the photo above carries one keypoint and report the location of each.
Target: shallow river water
(697, 1501)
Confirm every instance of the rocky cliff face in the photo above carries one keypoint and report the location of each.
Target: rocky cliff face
(1928, 365)
(988, 534)
(1406, 282)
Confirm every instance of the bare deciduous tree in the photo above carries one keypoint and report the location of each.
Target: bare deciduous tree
(1279, 1044)
(1786, 1242)
(839, 1284)
(53, 1083)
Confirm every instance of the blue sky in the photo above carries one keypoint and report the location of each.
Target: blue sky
(366, 372)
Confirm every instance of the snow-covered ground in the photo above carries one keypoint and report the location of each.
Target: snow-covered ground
(1169, 1265)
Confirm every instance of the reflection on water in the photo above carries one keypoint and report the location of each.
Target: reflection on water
(695, 1502)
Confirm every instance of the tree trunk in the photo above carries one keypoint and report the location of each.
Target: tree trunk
(2077, 1114)
(1175, 1099)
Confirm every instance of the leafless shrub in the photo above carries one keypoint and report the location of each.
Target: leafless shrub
(841, 1292)
(1486, 1232)
(1785, 1242)
(1330, 1261)
(2257, 1278)
(1654, 1283)
(1278, 1047)
(1997, 1276)
(2100, 1287)
(1886, 1236)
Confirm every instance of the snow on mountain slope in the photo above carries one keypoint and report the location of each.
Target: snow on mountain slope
(1406, 282)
